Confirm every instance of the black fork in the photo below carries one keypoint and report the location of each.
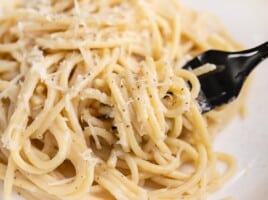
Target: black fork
(223, 84)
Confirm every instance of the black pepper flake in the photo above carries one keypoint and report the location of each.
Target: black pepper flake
(182, 89)
(128, 126)
(151, 96)
(138, 87)
(88, 73)
(168, 95)
(124, 110)
(102, 104)
(138, 99)
(121, 86)
(114, 128)
(107, 117)
(19, 193)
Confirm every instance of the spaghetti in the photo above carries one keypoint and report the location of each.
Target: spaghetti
(94, 103)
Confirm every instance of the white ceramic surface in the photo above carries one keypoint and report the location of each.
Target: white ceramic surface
(246, 139)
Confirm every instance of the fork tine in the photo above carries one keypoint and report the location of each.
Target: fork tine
(195, 62)
(203, 102)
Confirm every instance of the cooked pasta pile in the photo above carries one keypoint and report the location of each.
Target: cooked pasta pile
(94, 103)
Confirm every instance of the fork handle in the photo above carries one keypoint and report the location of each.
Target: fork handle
(250, 58)
(258, 53)
(261, 50)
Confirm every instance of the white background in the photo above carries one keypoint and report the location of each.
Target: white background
(247, 140)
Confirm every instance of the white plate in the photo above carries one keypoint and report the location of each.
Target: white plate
(246, 139)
